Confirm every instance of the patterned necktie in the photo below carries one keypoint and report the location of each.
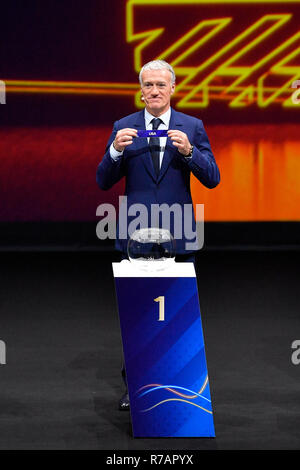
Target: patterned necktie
(154, 144)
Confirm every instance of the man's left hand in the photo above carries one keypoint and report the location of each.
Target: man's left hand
(181, 141)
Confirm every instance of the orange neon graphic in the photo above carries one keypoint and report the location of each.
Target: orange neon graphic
(215, 59)
(119, 89)
(259, 174)
(230, 62)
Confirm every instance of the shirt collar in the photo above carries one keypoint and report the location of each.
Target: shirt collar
(164, 117)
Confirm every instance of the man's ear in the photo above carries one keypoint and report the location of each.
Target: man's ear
(173, 89)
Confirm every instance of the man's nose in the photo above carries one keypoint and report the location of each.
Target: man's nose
(154, 90)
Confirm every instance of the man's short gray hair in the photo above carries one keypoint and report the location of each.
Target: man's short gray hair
(158, 65)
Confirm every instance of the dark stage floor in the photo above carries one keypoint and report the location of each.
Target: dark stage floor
(61, 384)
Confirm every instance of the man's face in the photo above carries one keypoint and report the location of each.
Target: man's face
(157, 89)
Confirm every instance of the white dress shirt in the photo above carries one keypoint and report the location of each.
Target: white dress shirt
(164, 125)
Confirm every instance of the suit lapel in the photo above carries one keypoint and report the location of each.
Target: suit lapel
(142, 143)
(175, 123)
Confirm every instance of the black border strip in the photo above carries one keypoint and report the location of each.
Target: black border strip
(82, 235)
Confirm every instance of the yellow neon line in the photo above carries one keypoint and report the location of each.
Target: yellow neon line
(266, 58)
(129, 21)
(178, 399)
(148, 36)
(23, 87)
(62, 84)
(73, 91)
(221, 70)
(280, 69)
(218, 54)
(189, 73)
(242, 36)
(220, 24)
(282, 19)
(119, 87)
(246, 71)
(193, 2)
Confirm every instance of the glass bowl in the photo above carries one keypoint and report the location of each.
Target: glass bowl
(151, 249)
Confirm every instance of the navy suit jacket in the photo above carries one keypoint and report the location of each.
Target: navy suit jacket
(173, 183)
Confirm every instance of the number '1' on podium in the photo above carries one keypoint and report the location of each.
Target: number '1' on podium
(164, 351)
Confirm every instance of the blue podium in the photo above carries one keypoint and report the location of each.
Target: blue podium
(164, 351)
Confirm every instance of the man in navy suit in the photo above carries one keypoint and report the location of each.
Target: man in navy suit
(157, 170)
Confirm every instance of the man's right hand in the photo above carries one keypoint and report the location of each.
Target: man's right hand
(123, 138)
